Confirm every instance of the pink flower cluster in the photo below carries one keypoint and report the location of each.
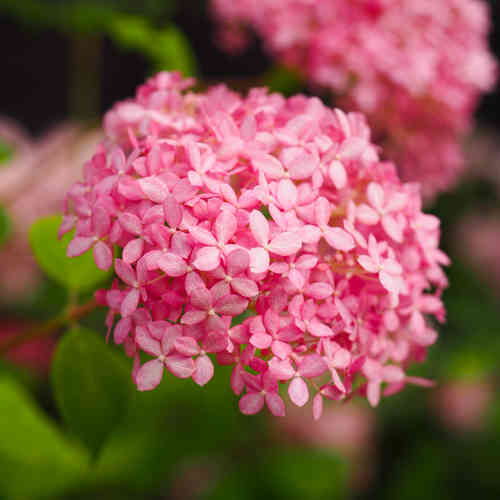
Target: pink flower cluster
(416, 68)
(273, 208)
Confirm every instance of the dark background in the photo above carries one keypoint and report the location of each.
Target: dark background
(36, 66)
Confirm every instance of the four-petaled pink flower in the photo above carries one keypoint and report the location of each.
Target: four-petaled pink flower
(150, 373)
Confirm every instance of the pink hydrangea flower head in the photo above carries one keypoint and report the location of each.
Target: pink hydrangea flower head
(276, 208)
(416, 69)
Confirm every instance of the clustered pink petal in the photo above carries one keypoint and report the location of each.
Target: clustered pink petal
(276, 208)
(416, 68)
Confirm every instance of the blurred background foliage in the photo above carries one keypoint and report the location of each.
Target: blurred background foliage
(78, 429)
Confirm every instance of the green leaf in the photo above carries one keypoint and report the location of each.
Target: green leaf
(35, 459)
(6, 152)
(92, 386)
(5, 225)
(77, 273)
(172, 51)
(285, 471)
(167, 48)
(284, 80)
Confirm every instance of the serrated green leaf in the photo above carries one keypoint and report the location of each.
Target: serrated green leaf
(35, 459)
(92, 386)
(77, 273)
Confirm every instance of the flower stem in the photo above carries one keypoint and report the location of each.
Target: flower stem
(70, 315)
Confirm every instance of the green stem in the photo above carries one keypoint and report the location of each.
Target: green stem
(70, 315)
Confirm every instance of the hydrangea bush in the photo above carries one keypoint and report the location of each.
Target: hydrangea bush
(263, 233)
(416, 68)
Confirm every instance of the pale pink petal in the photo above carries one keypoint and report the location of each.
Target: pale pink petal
(122, 329)
(133, 250)
(319, 329)
(392, 228)
(352, 147)
(101, 220)
(180, 366)
(147, 343)
(281, 349)
(125, 272)
(302, 166)
(130, 302)
(259, 260)
(103, 256)
(202, 235)
(225, 226)
(281, 370)
(317, 406)
(375, 195)
(172, 265)
(79, 245)
(237, 262)
(339, 239)
(261, 340)
(322, 211)
(268, 164)
(275, 404)
(312, 365)
(319, 290)
(251, 403)
(367, 264)
(298, 391)
(245, 287)
(285, 244)
(154, 189)
(187, 346)
(373, 392)
(207, 259)
(201, 298)
(172, 211)
(231, 305)
(193, 317)
(149, 375)
(338, 174)
(259, 227)
(237, 382)
(390, 282)
(131, 223)
(287, 194)
(204, 370)
(367, 215)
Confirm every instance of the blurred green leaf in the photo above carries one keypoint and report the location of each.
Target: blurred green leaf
(92, 386)
(167, 48)
(35, 459)
(284, 80)
(6, 152)
(77, 273)
(303, 474)
(5, 226)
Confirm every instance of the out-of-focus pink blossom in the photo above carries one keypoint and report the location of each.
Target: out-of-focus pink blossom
(462, 404)
(35, 354)
(477, 241)
(33, 184)
(276, 207)
(416, 68)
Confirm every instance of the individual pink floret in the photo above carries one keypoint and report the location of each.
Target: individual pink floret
(262, 233)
